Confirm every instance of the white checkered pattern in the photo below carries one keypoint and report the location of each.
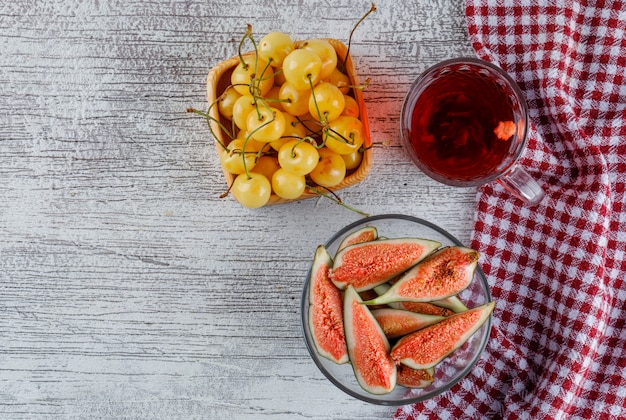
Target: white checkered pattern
(558, 270)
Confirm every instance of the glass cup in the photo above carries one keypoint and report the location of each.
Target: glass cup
(464, 122)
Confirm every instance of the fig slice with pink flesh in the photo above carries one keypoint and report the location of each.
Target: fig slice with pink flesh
(368, 264)
(398, 322)
(452, 303)
(427, 347)
(365, 234)
(415, 378)
(368, 348)
(441, 275)
(447, 305)
(428, 308)
(326, 310)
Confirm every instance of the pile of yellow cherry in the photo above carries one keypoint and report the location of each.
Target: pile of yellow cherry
(291, 120)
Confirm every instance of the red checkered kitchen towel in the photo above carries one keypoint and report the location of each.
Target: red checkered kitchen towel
(558, 270)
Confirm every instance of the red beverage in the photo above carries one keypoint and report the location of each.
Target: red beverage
(455, 123)
(464, 122)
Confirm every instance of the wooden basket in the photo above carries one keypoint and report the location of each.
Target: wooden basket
(218, 80)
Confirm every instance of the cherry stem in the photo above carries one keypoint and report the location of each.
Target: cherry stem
(301, 121)
(345, 60)
(225, 193)
(274, 100)
(337, 136)
(255, 82)
(333, 197)
(249, 136)
(362, 86)
(246, 35)
(317, 109)
(310, 139)
(209, 118)
(384, 143)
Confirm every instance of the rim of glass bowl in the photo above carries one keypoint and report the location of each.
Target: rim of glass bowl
(304, 306)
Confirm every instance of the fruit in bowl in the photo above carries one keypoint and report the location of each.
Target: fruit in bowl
(289, 120)
(395, 310)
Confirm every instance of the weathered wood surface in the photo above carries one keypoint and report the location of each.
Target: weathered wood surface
(128, 288)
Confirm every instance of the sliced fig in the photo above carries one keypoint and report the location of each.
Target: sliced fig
(365, 234)
(368, 347)
(453, 303)
(427, 347)
(415, 378)
(398, 322)
(370, 294)
(381, 289)
(326, 310)
(421, 308)
(368, 264)
(427, 308)
(443, 274)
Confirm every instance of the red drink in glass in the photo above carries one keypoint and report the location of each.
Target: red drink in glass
(454, 126)
(464, 123)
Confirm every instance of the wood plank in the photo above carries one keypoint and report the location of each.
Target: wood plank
(128, 288)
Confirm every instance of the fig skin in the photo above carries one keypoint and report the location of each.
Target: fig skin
(415, 378)
(369, 264)
(427, 347)
(326, 310)
(368, 347)
(365, 234)
(398, 322)
(427, 308)
(441, 275)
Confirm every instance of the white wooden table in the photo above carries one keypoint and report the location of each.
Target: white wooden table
(128, 288)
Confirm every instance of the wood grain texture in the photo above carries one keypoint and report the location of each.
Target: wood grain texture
(128, 288)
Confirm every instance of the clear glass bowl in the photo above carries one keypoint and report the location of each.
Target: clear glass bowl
(448, 372)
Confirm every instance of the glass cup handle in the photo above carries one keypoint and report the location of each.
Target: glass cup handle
(519, 183)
